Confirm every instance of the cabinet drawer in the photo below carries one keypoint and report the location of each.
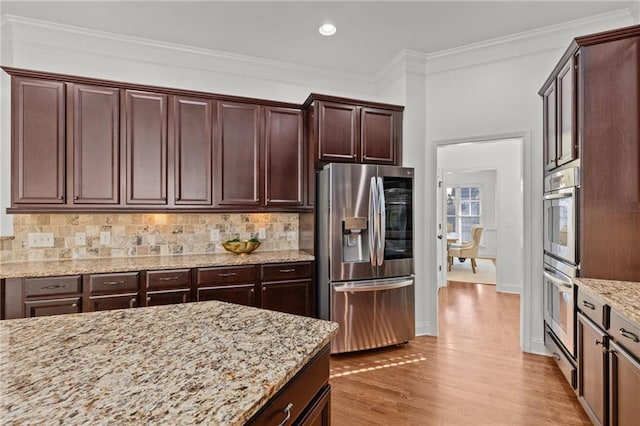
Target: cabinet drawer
(51, 286)
(625, 333)
(286, 271)
(113, 283)
(297, 394)
(225, 275)
(175, 278)
(593, 308)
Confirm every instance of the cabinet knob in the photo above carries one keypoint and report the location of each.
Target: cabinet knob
(148, 299)
(74, 305)
(132, 302)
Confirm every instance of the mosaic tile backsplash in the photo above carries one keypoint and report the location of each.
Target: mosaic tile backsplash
(143, 234)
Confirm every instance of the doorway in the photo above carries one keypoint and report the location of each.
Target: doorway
(481, 182)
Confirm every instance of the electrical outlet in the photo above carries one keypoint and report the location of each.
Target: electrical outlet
(262, 233)
(214, 235)
(105, 238)
(40, 239)
(81, 238)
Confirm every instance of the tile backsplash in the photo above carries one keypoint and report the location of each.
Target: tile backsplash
(143, 234)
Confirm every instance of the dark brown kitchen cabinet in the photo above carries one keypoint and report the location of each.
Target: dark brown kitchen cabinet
(233, 284)
(353, 131)
(103, 292)
(337, 132)
(145, 133)
(193, 151)
(93, 138)
(168, 297)
(35, 297)
(319, 413)
(624, 387)
(38, 141)
(237, 155)
(288, 287)
(166, 287)
(592, 369)
(284, 157)
(378, 135)
(596, 130)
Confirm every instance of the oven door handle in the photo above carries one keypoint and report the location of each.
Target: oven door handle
(552, 277)
(564, 193)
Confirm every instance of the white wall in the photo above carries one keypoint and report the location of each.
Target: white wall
(486, 180)
(505, 157)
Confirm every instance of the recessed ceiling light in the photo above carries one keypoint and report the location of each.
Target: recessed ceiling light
(327, 29)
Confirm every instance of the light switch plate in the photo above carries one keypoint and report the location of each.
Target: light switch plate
(262, 233)
(40, 239)
(105, 238)
(214, 235)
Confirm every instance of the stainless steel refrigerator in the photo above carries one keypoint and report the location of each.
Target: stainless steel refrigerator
(364, 254)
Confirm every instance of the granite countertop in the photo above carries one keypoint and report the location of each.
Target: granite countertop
(205, 362)
(48, 268)
(622, 296)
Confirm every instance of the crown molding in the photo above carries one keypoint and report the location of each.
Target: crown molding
(245, 60)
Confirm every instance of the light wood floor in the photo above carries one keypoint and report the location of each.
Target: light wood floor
(472, 374)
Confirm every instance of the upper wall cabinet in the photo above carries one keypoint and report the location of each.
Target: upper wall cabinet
(560, 118)
(145, 117)
(38, 141)
(237, 154)
(352, 131)
(93, 141)
(89, 145)
(284, 156)
(193, 150)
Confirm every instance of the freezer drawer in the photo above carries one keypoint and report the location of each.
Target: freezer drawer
(372, 314)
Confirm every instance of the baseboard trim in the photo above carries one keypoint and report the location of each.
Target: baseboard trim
(538, 348)
(509, 288)
(425, 329)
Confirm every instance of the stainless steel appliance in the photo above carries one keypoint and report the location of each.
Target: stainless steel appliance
(561, 190)
(561, 266)
(364, 254)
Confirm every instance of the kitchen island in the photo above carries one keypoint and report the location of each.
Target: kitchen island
(205, 362)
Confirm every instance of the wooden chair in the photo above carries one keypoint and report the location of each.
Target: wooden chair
(467, 250)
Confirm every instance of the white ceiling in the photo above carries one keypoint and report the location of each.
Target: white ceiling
(369, 34)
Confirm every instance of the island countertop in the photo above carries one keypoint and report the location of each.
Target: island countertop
(204, 362)
(48, 268)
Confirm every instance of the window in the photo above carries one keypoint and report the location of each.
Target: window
(463, 210)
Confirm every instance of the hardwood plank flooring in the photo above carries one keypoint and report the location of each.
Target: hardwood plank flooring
(472, 374)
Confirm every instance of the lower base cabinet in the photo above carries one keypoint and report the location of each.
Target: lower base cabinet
(170, 297)
(108, 303)
(290, 297)
(592, 370)
(305, 400)
(40, 308)
(243, 294)
(624, 387)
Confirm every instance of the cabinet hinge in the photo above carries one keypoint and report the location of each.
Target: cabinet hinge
(440, 184)
(439, 268)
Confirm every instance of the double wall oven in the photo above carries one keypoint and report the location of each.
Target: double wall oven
(561, 265)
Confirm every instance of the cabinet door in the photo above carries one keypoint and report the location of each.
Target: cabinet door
(108, 303)
(94, 140)
(624, 382)
(237, 155)
(337, 132)
(284, 157)
(168, 297)
(193, 135)
(292, 297)
(41, 308)
(377, 136)
(243, 294)
(592, 369)
(319, 412)
(566, 114)
(549, 126)
(38, 149)
(146, 147)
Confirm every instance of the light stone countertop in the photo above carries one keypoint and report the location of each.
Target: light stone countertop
(47, 268)
(210, 363)
(622, 296)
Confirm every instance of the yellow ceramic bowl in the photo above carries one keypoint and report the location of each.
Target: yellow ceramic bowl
(240, 247)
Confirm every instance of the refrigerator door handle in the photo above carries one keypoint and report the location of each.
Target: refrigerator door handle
(382, 223)
(373, 218)
(378, 287)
